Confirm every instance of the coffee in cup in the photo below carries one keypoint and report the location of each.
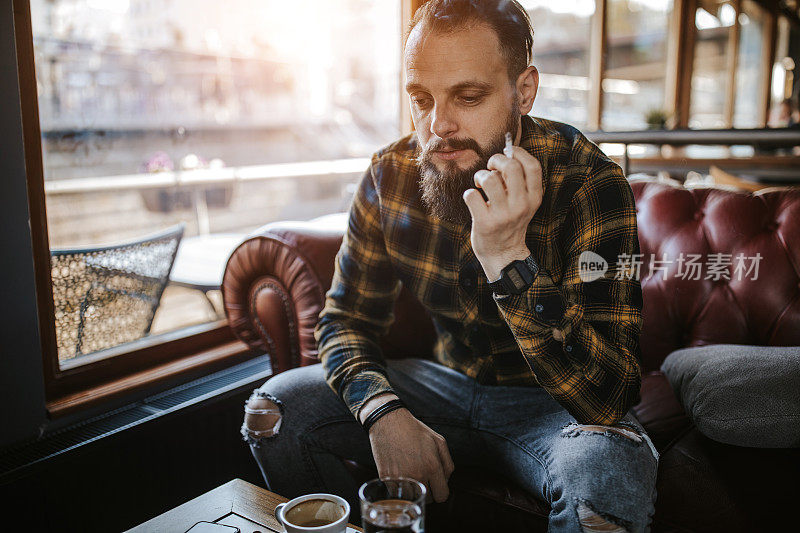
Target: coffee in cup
(319, 513)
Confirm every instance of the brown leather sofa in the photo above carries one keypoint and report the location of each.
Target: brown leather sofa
(274, 289)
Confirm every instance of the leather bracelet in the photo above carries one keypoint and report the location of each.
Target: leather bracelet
(388, 407)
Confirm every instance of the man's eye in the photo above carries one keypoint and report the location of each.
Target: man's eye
(420, 101)
(470, 100)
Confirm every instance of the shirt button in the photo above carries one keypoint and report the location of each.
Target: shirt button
(539, 308)
(468, 282)
(568, 347)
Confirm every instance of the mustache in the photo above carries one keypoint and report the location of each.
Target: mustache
(438, 145)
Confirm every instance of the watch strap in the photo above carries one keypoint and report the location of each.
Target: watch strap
(499, 286)
(525, 272)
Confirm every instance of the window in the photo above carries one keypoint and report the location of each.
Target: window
(634, 78)
(562, 32)
(752, 20)
(169, 130)
(217, 117)
(713, 21)
(782, 75)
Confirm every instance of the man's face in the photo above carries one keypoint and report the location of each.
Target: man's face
(462, 104)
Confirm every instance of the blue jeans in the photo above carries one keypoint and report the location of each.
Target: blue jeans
(520, 433)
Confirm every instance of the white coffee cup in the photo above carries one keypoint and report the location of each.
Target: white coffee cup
(329, 511)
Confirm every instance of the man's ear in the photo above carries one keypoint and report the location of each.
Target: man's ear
(527, 87)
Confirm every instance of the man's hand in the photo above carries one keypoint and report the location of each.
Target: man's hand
(513, 187)
(404, 446)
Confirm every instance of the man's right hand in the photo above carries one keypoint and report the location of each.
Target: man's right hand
(404, 446)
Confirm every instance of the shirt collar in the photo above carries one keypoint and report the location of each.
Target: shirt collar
(537, 141)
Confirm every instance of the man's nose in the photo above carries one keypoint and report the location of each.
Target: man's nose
(442, 123)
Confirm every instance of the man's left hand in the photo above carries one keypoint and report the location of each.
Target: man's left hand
(513, 187)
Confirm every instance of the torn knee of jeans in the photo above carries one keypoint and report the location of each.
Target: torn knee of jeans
(263, 417)
(618, 430)
(592, 520)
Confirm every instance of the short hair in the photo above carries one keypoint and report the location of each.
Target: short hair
(507, 18)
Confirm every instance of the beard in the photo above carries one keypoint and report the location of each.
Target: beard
(442, 190)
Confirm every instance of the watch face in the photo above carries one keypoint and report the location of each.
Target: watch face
(515, 278)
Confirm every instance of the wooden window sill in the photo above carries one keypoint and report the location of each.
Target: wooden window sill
(188, 367)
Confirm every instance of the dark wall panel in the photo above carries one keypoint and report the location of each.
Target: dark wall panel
(21, 388)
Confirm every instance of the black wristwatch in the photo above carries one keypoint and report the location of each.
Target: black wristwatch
(516, 277)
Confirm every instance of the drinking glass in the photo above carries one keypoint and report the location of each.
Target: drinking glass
(392, 505)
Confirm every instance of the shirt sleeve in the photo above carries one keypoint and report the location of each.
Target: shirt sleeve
(590, 364)
(359, 306)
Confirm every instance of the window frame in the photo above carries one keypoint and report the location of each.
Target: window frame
(154, 361)
(682, 61)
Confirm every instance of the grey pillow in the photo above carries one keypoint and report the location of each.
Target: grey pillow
(738, 394)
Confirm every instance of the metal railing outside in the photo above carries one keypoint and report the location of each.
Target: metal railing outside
(757, 138)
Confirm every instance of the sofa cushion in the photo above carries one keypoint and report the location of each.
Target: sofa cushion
(738, 394)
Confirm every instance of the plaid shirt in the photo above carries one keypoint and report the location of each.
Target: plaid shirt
(593, 372)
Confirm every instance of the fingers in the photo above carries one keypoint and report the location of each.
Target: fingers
(438, 485)
(492, 183)
(482, 175)
(532, 169)
(444, 456)
(477, 207)
(419, 453)
(511, 170)
(524, 166)
(442, 471)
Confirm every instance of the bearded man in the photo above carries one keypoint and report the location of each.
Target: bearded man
(536, 366)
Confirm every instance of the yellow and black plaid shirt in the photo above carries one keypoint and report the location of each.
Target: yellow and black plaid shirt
(594, 371)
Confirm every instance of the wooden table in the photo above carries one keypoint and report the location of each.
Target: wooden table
(236, 503)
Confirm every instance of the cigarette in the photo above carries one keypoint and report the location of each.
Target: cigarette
(508, 151)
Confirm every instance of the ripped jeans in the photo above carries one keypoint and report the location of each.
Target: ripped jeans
(596, 478)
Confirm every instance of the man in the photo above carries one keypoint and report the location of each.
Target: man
(788, 116)
(536, 369)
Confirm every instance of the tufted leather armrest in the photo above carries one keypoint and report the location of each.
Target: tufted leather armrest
(274, 289)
